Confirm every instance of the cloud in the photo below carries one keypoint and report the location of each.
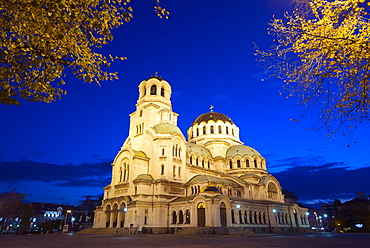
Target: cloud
(316, 179)
(67, 175)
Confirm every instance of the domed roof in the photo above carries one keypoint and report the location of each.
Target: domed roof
(191, 147)
(214, 116)
(241, 150)
(156, 77)
(167, 128)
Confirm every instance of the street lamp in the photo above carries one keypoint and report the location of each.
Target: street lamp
(65, 220)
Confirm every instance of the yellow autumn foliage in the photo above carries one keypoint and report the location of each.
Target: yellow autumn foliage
(40, 38)
(322, 51)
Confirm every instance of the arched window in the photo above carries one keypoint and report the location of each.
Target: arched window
(212, 129)
(240, 217)
(174, 170)
(203, 163)
(272, 191)
(192, 190)
(251, 217)
(246, 217)
(162, 91)
(260, 218)
(219, 129)
(227, 130)
(264, 218)
(255, 218)
(187, 217)
(232, 132)
(120, 174)
(162, 169)
(196, 161)
(191, 159)
(231, 164)
(204, 130)
(255, 163)
(179, 171)
(209, 165)
(238, 163)
(232, 216)
(174, 217)
(181, 217)
(247, 162)
(197, 131)
(153, 90)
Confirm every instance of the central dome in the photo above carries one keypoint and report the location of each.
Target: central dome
(214, 116)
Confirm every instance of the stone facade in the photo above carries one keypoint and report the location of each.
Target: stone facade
(211, 183)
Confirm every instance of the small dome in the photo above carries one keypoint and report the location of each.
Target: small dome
(144, 177)
(191, 147)
(166, 128)
(210, 189)
(156, 77)
(214, 116)
(241, 150)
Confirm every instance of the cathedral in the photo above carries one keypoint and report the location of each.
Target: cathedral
(209, 183)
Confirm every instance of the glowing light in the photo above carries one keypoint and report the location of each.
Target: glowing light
(125, 210)
(238, 206)
(325, 215)
(274, 210)
(359, 225)
(307, 213)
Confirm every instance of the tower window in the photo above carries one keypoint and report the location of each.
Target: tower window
(162, 170)
(238, 163)
(197, 131)
(212, 129)
(255, 163)
(227, 130)
(141, 113)
(162, 91)
(153, 90)
(204, 130)
(231, 164)
(219, 129)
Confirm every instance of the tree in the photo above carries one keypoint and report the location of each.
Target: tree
(322, 52)
(41, 38)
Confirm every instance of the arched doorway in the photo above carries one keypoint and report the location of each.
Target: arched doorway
(223, 214)
(122, 213)
(107, 216)
(201, 210)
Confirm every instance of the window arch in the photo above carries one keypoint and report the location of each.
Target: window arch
(272, 191)
(153, 90)
(174, 217)
(187, 217)
(181, 217)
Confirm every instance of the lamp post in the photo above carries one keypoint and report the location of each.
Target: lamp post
(65, 220)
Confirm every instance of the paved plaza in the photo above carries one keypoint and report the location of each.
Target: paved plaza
(326, 240)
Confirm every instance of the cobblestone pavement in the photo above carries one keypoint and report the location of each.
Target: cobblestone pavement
(326, 240)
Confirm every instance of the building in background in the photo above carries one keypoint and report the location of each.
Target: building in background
(211, 183)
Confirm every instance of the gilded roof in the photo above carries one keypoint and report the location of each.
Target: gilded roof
(166, 128)
(241, 150)
(191, 147)
(214, 116)
(156, 77)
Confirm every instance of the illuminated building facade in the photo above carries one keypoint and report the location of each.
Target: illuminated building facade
(210, 183)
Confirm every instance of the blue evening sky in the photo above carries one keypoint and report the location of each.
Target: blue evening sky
(62, 151)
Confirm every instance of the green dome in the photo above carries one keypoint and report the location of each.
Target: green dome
(191, 147)
(166, 128)
(241, 150)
